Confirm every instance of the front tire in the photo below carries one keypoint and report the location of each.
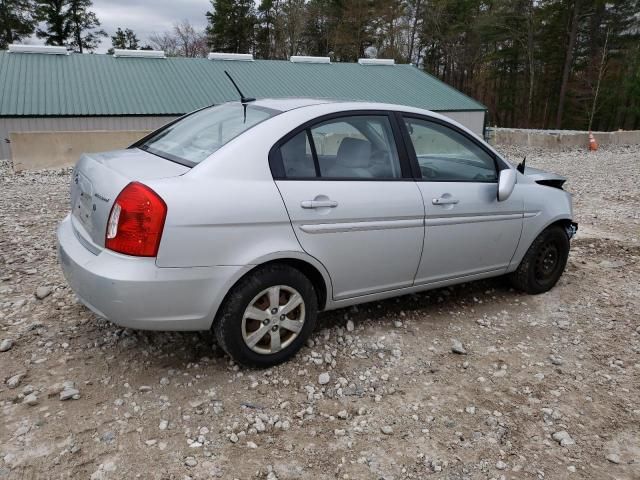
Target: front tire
(267, 316)
(544, 262)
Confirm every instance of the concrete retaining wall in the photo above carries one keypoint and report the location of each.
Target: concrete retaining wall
(557, 140)
(38, 150)
(10, 125)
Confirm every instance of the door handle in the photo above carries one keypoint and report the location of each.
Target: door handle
(445, 201)
(318, 204)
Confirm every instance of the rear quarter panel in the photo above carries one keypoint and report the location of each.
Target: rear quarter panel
(222, 221)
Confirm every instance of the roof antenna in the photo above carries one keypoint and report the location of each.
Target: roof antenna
(521, 166)
(243, 100)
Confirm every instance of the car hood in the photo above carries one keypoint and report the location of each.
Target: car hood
(540, 175)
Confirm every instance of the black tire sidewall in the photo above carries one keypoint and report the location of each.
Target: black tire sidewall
(559, 237)
(228, 325)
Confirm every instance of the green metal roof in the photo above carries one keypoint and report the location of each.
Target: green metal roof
(93, 85)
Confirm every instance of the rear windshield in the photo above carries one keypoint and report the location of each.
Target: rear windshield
(192, 139)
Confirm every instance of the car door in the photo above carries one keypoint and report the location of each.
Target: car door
(467, 230)
(352, 202)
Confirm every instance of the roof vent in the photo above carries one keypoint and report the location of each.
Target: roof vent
(376, 61)
(241, 57)
(307, 59)
(138, 53)
(17, 48)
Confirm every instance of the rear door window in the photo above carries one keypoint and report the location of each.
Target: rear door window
(297, 157)
(355, 147)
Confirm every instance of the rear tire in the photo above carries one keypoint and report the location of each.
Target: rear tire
(544, 262)
(267, 316)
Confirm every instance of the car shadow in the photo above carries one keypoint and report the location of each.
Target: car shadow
(423, 303)
(175, 349)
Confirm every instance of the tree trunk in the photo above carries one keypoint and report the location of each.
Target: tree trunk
(79, 38)
(530, 58)
(568, 62)
(414, 28)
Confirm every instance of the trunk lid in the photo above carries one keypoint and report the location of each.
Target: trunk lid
(97, 180)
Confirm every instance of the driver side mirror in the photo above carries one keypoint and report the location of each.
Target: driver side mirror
(506, 184)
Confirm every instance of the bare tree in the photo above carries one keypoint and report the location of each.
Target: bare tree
(165, 41)
(190, 42)
(184, 40)
(603, 62)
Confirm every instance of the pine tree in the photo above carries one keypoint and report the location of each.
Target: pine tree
(354, 30)
(268, 31)
(533, 63)
(69, 23)
(16, 21)
(294, 19)
(84, 26)
(54, 14)
(124, 39)
(231, 26)
(319, 25)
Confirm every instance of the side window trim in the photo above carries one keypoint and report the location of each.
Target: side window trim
(408, 147)
(314, 153)
(413, 157)
(275, 158)
(406, 167)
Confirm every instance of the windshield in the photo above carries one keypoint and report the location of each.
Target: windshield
(192, 139)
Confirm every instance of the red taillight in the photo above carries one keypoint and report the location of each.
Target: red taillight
(136, 221)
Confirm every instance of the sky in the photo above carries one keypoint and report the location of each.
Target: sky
(145, 17)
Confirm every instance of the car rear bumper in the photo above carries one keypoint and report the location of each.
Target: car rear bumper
(134, 292)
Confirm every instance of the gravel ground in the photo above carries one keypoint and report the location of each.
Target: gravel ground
(548, 387)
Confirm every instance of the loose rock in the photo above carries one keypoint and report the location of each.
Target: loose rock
(43, 292)
(613, 458)
(15, 380)
(70, 393)
(31, 399)
(563, 438)
(6, 345)
(457, 347)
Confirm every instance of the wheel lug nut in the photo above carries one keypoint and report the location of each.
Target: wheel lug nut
(274, 310)
(274, 328)
(281, 317)
(266, 322)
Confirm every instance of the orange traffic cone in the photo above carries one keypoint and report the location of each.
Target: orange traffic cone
(593, 145)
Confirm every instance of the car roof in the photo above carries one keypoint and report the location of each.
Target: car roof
(291, 103)
(294, 103)
(320, 106)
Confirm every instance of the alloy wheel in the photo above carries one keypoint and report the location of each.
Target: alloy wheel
(273, 319)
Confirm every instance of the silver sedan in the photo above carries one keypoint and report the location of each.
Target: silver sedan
(249, 218)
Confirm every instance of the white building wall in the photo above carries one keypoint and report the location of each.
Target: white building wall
(48, 124)
(473, 120)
